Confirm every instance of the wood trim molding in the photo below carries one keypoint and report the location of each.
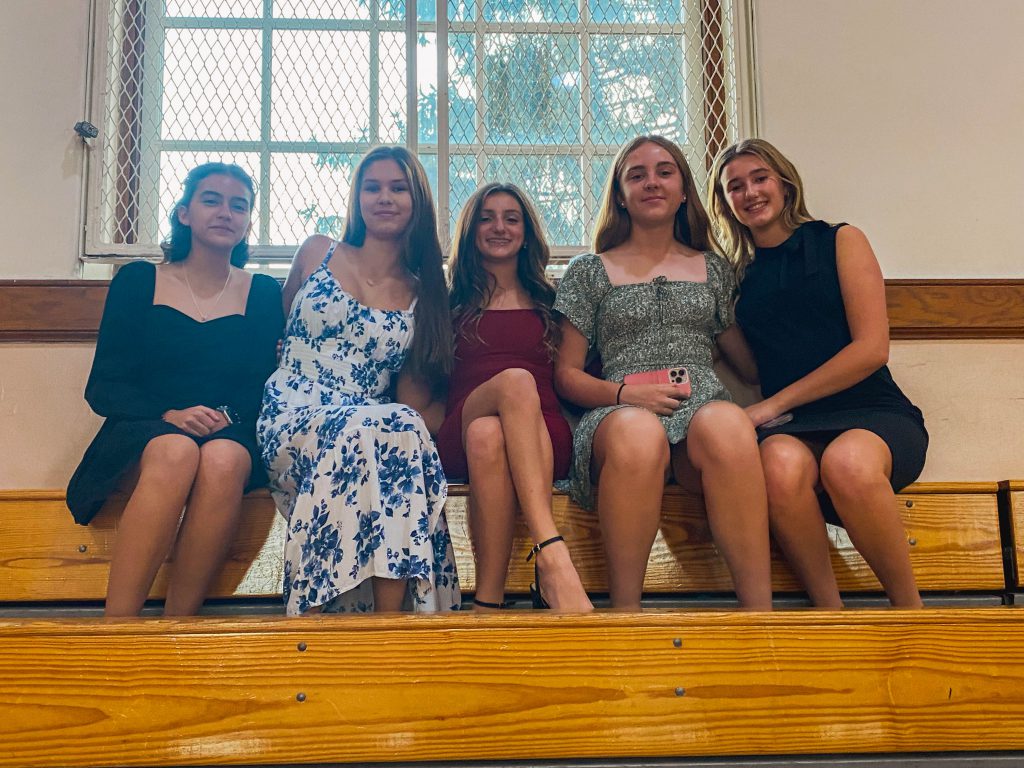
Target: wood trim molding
(70, 310)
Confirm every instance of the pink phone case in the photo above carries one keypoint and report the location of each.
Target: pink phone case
(677, 376)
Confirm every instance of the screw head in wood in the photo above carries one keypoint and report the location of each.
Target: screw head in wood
(82, 548)
(680, 691)
(301, 646)
(677, 642)
(300, 696)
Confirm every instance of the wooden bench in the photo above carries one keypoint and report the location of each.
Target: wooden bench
(518, 685)
(953, 530)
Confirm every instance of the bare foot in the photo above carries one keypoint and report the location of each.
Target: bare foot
(560, 584)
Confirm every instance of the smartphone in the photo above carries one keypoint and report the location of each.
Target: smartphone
(679, 377)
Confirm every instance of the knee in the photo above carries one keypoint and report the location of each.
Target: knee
(847, 471)
(224, 460)
(721, 432)
(170, 455)
(485, 442)
(517, 388)
(789, 469)
(635, 443)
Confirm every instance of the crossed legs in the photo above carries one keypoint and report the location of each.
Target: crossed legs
(175, 473)
(854, 470)
(509, 454)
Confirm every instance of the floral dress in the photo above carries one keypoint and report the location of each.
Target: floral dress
(357, 476)
(642, 327)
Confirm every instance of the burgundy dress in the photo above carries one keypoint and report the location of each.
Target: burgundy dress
(508, 338)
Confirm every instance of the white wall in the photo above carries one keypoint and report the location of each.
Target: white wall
(43, 53)
(905, 118)
(899, 113)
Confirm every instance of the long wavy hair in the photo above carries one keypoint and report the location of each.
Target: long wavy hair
(178, 244)
(736, 238)
(692, 226)
(430, 355)
(470, 285)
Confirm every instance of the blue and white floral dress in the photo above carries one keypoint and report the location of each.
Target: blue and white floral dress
(357, 477)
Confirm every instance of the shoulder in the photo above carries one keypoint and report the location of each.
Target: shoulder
(847, 234)
(584, 264)
(313, 250)
(719, 267)
(266, 286)
(134, 280)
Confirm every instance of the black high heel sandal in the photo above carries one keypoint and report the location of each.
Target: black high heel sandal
(496, 606)
(535, 594)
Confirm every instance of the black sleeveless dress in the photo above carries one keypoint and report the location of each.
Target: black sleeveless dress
(791, 310)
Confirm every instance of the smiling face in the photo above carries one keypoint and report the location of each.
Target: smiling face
(651, 184)
(385, 200)
(501, 228)
(219, 213)
(756, 196)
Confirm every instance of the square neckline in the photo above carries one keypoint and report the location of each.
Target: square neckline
(657, 279)
(196, 320)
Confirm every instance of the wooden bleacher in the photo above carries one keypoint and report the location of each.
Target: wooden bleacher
(953, 530)
(519, 685)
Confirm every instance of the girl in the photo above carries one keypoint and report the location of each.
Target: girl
(182, 352)
(812, 305)
(504, 429)
(654, 296)
(355, 473)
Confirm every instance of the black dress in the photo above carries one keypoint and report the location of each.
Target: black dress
(153, 358)
(791, 310)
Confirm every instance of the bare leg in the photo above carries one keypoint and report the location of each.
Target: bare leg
(791, 476)
(722, 446)
(214, 509)
(389, 594)
(631, 461)
(512, 397)
(492, 506)
(148, 525)
(855, 471)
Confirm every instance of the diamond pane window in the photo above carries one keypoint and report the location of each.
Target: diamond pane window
(537, 92)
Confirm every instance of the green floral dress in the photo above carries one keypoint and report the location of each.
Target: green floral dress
(645, 327)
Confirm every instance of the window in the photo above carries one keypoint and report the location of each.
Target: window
(538, 92)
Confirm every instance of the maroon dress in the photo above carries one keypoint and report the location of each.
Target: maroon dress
(508, 338)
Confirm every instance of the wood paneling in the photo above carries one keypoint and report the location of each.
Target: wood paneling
(69, 310)
(51, 310)
(333, 689)
(953, 530)
(956, 309)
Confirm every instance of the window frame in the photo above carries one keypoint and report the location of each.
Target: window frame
(734, 43)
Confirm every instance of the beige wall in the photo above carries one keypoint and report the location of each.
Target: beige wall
(43, 53)
(898, 113)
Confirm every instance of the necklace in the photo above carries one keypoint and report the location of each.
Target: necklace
(204, 316)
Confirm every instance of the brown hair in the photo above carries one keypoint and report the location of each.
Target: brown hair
(471, 285)
(692, 226)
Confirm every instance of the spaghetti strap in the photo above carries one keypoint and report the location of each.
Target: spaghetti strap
(413, 305)
(330, 252)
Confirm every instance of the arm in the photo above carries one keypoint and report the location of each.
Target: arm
(863, 291)
(733, 345)
(116, 386)
(416, 393)
(306, 259)
(578, 386)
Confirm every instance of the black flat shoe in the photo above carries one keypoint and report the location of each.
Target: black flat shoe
(496, 606)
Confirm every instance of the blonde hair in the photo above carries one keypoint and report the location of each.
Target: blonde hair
(692, 226)
(736, 238)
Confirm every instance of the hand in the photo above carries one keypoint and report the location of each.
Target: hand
(761, 412)
(662, 399)
(198, 420)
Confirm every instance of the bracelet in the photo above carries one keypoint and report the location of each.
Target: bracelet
(618, 395)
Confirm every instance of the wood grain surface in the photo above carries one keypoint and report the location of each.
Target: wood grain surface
(1014, 490)
(70, 310)
(953, 530)
(472, 687)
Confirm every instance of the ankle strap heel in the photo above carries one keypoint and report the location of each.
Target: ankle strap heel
(535, 594)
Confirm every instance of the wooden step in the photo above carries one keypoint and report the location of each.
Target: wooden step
(512, 686)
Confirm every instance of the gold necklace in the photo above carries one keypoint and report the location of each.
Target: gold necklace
(203, 316)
